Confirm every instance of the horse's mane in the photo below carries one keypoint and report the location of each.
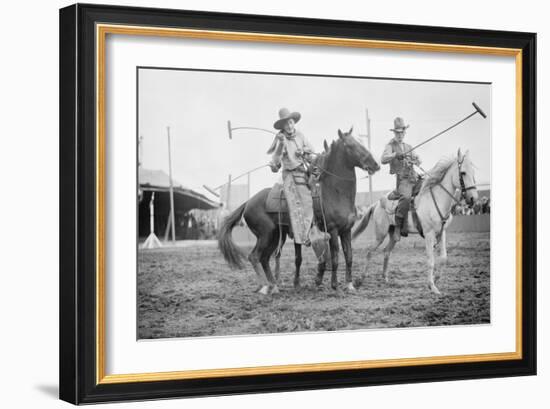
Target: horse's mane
(436, 174)
(322, 157)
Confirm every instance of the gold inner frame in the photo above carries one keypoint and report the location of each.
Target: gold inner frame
(101, 33)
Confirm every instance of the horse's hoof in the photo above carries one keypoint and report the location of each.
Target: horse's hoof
(297, 285)
(275, 290)
(351, 288)
(264, 290)
(318, 282)
(334, 286)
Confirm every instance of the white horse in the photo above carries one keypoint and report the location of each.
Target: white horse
(448, 179)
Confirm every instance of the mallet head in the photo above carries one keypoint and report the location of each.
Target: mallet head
(229, 130)
(478, 109)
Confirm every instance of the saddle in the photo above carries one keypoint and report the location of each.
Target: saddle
(276, 202)
(389, 203)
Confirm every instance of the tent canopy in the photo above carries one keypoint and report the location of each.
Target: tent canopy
(185, 199)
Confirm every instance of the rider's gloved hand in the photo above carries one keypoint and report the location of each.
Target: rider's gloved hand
(274, 167)
(399, 156)
(280, 136)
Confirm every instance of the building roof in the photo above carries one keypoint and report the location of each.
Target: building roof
(158, 181)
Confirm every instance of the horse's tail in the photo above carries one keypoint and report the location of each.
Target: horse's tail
(364, 222)
(231, 253)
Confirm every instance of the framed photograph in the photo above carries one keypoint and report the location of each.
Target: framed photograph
(257, 203)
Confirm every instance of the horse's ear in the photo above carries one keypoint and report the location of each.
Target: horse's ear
(325, 144)
(340, 134)
(350, 130)
(459, 154)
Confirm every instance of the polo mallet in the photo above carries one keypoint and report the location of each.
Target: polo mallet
(477, 111)
(230, 129)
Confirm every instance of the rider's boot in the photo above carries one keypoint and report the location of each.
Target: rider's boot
(405, 226)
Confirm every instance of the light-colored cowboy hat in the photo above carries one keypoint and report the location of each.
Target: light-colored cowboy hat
(399, 124)
(284, 115)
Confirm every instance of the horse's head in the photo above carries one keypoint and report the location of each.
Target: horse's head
(464, 179)
(357, 154)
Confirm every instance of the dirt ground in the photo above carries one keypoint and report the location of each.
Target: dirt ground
(190, 292)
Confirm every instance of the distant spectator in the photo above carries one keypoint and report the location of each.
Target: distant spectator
(485, 205)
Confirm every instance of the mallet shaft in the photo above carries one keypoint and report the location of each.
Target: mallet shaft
(477, 111)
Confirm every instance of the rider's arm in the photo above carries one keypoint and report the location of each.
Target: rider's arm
(275, 162)
(387, 155)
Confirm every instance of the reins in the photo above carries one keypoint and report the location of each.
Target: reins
(463, 190)
(323, 170)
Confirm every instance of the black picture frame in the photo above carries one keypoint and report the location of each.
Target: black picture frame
(78, 198)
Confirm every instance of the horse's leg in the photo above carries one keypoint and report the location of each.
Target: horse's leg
(334, 259)
(443, 247)
(298, 264)
(387, 252)
(254, 258)
(264, 261)
(345, 239)
(430, 240)
(371, 249)
(278, 256)
(321, 267)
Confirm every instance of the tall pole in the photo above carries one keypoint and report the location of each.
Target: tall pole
(140, 159)
(172, 212)
(228, 192)
(368, 145)
(140, 150)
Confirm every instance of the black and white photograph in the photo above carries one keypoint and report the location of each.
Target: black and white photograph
(285, 203)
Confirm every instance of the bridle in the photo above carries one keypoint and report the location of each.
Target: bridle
(323, 170)
(463, 188)
(315, 164)
(463, 191)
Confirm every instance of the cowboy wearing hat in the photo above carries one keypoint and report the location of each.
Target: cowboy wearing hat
(401, 165)
(293, 152)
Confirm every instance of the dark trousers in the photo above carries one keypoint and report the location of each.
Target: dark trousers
(404, 189)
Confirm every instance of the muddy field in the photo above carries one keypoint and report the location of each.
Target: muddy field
(190, 291)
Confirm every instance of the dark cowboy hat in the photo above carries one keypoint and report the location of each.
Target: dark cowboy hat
(399, 124)
(284, 115)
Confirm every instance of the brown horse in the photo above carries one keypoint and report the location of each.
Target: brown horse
(338, 189)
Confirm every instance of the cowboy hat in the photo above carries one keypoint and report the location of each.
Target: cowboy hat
(284, 115)
(399, 124)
